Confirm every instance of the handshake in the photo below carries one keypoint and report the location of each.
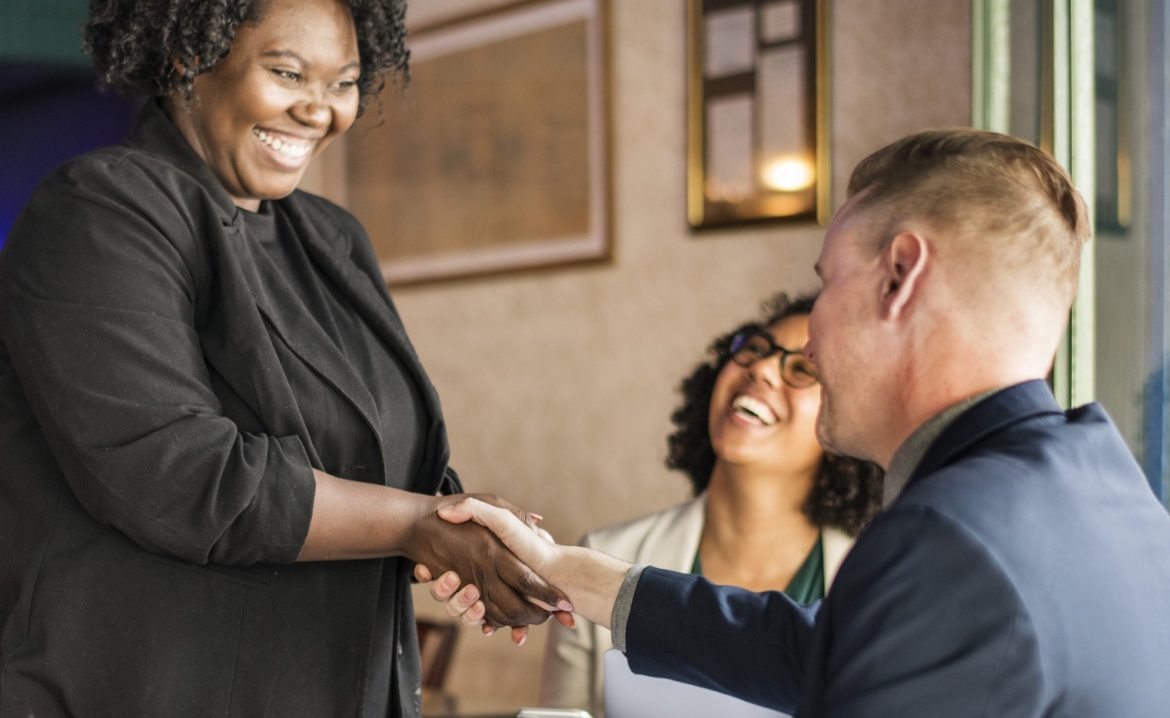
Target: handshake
(513, 574)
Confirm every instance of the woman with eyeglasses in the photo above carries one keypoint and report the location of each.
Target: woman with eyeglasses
(772, 510)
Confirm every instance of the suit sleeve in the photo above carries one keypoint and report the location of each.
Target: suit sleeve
(98, 287)
(923, 622)
(749, 645)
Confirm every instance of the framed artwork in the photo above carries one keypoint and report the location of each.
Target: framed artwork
(495, 157)
(757, 124)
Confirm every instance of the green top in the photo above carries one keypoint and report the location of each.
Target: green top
(807, 584)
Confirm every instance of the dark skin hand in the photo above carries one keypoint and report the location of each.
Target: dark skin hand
(355, 520)
(473, 551)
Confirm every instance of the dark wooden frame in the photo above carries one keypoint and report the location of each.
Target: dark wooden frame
(413, 250)
(760, 203)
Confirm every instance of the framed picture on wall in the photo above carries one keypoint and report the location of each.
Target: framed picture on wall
(495, 157)
(1113, 183)
(757, 116)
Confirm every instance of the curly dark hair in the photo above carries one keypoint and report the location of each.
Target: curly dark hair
(135, 44)
(847, 492)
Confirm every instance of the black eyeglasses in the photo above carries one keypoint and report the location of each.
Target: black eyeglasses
(796, 369)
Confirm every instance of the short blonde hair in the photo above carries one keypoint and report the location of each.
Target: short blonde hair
(998, 190)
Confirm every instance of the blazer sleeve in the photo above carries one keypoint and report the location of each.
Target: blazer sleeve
(923, 622)
(749, 645)
(98, 289)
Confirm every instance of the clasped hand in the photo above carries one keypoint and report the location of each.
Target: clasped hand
(476, 596)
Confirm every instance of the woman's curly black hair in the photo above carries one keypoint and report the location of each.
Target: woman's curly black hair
(136, 44)
(847, 492)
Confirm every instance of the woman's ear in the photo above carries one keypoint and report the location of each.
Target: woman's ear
(183, 69)
(904, 263)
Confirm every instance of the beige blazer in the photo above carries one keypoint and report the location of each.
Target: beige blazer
(572, 673)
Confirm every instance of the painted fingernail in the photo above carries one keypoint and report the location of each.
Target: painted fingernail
(523, 640)
(564, 605)
(535, 516)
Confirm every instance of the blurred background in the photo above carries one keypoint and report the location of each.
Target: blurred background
(558, 382)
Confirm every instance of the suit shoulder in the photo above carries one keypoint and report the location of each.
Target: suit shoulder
(918, 549)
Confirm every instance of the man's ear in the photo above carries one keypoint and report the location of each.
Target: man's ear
(904, 261)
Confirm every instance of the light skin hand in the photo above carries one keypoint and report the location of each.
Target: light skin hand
(590, 578)
(357, 520)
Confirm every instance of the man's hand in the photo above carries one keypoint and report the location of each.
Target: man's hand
(511, 593)
(590, 578)
(509, 525)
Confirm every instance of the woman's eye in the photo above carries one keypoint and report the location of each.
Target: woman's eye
(346, 84)
(289, 75)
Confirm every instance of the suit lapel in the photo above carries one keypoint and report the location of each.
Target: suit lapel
(1006, 407)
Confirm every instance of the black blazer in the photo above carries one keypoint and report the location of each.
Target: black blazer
(1024, 571)
(162, 404)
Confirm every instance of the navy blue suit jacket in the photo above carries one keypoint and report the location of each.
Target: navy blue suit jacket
(1024, 571)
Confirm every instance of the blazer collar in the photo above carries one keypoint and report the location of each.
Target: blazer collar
(996, 412)
(332, 250)
(157, 134)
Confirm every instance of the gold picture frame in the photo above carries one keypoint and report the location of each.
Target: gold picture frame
(757, 112)
(496, 157)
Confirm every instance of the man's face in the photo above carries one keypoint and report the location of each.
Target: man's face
(842, 335)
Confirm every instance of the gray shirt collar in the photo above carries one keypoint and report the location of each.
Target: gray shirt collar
(912, 451)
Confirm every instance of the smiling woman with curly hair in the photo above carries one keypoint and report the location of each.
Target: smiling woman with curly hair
(846, 493)
(219, 455)
(772, 511)
(155, 48)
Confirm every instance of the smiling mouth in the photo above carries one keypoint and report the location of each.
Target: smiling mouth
(291, 148)
(753, 410)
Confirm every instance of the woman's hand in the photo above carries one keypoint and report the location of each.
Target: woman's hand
(514, 528)
(510, 593)
(354, 520)
(591, 579)
(464, 602)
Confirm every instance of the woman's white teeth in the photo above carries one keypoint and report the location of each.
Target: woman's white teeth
(755, 409)
(294, 149)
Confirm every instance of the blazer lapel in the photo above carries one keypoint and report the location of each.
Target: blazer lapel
(835, 544)
(331, 251)
(677, 542)
(283, 309)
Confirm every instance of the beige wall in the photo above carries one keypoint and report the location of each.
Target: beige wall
(557, 386)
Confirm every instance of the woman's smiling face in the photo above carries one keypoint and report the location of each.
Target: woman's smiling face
(286, 89)
(757, 419)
